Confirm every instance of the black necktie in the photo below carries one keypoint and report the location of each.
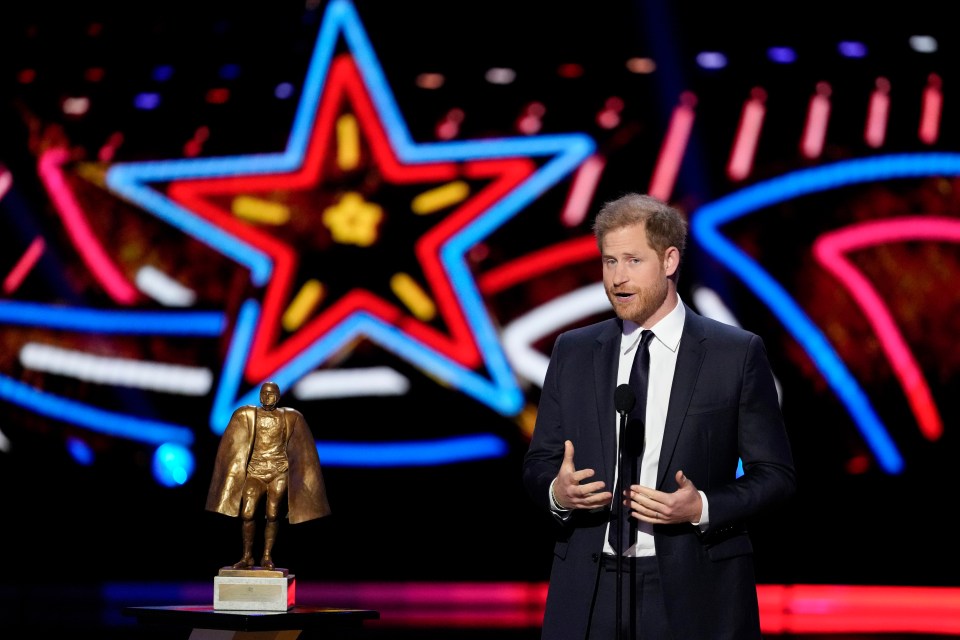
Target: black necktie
(634, 438)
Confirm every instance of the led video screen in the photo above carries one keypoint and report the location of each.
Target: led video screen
(386, 209)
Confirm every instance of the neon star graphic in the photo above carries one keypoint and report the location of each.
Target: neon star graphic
(348, 124)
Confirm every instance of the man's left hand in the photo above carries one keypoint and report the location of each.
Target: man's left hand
(657, 507)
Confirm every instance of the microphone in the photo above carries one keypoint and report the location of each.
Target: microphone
(624, 398)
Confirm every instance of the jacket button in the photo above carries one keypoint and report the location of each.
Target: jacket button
(595, 557)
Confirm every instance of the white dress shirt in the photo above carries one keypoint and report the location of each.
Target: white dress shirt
(663, 363)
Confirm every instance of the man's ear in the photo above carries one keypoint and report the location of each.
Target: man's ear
(671, 260)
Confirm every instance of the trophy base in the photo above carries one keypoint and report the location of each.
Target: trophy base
(254, 589)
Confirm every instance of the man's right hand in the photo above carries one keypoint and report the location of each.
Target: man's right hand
(568, 490)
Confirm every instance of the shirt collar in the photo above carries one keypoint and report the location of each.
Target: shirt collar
(667, 331)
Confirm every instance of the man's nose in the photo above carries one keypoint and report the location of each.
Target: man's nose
(620, 274)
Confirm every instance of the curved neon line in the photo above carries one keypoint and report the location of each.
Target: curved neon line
(181, 323)
(411, 454)
(90, 249)
(540, 321)
(99, 420)
(706, 221)
(829, 249)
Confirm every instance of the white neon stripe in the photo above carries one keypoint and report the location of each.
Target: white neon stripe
(170, 378)
(345, 383)
(164, 289)
(530, 327)
(709, 304)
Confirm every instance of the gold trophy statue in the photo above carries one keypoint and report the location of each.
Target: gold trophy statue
(267, 455)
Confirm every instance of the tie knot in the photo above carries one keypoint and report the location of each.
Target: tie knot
(645, 337)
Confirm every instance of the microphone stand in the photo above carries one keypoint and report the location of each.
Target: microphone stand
(620, 487)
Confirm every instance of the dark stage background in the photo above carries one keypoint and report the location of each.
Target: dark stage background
(162, 166)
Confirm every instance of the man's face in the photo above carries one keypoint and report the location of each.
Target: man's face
(269, 396)
(634, 276)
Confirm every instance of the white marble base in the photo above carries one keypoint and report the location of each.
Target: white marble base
(242, 593)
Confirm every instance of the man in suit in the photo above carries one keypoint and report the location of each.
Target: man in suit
(710, 402)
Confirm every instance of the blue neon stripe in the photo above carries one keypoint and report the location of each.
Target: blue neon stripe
(99, 420)
(189, 323)
(411, 454)
(225, 400)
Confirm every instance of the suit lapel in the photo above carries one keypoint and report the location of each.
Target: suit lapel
(689, 360)
(606, 361)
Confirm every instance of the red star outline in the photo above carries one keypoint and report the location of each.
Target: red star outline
(345, 87)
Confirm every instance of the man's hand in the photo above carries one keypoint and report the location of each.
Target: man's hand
(650, 505)
(569, 493)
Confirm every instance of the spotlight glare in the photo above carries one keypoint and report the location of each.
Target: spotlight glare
(711, 60)
(283, 91)
(500, 75)
(923, 44)
(147, 101)
(852, 49)
(172, 464)
(782, 55)
(641, 65)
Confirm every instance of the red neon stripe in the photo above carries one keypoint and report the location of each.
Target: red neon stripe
(876, 129)
(818, 117)
(830, 249)
(931, 110)
(94, 255)
(538, 263)
(784, 609)
(674, 146)
(747, 137)
(26, 262)
(581, 191)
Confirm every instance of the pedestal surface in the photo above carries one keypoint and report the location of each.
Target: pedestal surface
(257, 592)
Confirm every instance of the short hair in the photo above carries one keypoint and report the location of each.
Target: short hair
(665, 226)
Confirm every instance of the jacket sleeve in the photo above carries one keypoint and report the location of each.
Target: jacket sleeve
(542, 460)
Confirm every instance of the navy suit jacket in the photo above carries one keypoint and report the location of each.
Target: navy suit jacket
(723, 408)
